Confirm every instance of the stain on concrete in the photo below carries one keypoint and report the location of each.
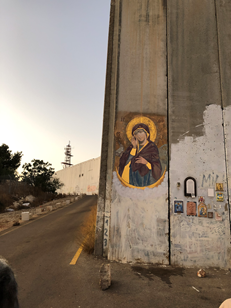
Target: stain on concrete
(163, 273)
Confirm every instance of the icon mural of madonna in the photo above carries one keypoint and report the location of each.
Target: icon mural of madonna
(140, 164)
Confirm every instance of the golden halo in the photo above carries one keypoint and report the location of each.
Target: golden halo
(144, 120)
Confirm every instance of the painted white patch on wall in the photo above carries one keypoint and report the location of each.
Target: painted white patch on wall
(198, 240)
(147, 193)
(139, 223)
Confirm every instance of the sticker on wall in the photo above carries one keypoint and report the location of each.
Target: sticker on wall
(190, 188)
(201, 199)
(218, 216)
(210, 192)
(219, 186)
(178, 207)
(210, 214)
(191, 208)
(141, 150)
(202, 210)
(219, 197)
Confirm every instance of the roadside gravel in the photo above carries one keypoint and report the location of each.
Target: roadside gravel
(9, 218)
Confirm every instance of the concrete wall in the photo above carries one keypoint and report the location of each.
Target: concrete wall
(135, 222)
(169, 62)
(196, 132)
(139, 218)
(80, 179)
(223, 12)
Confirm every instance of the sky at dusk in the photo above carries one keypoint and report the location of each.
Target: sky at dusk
(52, 77)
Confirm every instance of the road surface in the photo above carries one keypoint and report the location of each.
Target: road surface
(41, 251)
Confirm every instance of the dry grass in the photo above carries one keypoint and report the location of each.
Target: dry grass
(86, 235)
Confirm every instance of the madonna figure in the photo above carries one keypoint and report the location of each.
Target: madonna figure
(140, 164)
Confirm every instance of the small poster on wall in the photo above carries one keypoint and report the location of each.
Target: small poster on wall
(202, 210)
(219, 196)
(218, 216)
(219, 186)
(191, 208)
(178, 207)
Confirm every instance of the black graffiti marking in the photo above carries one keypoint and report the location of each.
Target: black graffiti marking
(105, 232)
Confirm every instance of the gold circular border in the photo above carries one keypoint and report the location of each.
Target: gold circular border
(124, 183)
(144, 120)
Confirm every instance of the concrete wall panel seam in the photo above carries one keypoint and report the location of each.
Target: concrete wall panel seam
(110, 160)
(104, 149)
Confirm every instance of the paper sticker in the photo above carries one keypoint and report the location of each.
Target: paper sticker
(178, 207)
(219, 197)
(202, 210)
(191, 208)
(219, 186)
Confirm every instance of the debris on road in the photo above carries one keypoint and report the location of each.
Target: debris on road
(105, 276)
(16, 223)
(195, 289)
(201, 273)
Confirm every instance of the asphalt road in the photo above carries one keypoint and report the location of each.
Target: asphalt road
(40, 254)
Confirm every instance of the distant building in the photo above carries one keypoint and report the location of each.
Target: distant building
(82, 178)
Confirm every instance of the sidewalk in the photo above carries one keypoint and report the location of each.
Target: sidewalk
(150, 286)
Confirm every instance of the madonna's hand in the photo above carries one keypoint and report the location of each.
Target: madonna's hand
(141, 160)
(134, 142)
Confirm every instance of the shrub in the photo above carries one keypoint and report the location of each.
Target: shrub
(5, 201)
(11, 191)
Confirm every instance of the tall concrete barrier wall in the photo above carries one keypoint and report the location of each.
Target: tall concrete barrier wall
(82, 178)
(196, 134)
(165, 186)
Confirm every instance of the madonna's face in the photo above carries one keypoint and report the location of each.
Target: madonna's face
(140, 135)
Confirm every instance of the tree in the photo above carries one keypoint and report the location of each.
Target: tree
(9, 162)
(40, 174)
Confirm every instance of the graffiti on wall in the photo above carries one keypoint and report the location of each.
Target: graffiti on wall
(91, 188)
(141, 150)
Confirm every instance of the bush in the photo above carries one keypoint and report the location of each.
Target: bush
(11, 191)
(5, 201)
(87, 231)
(2, 207)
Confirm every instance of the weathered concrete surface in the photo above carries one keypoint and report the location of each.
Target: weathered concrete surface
(108, 119)
(139, 224)
(79, 179)
(196, 132)
(227, 131)
(192, 92)
(199, 240)
(193, 67)
(105, 276)
(223, 13)
(142, 68)
(141, 88)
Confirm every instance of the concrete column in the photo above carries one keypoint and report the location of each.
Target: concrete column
(135, 219)
(223, 14)
(196, 133)
(108, 124)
